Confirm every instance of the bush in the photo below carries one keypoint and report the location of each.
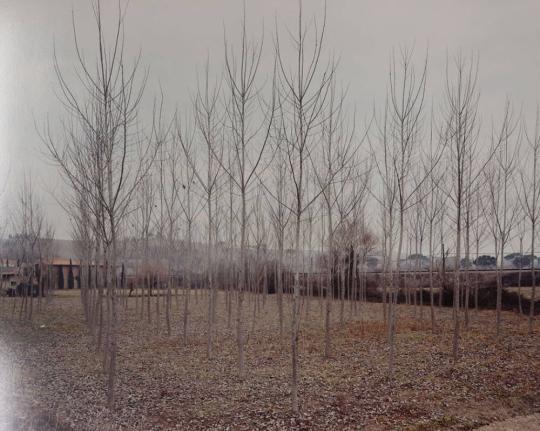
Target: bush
(520, 261)
(485, 261)
(466, 263)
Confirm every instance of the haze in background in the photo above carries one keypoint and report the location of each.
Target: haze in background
(175, 39)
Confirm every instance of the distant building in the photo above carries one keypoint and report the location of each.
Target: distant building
(59, 270)
(9, 276)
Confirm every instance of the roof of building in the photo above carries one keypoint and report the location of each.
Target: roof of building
(62, 262)
(5, 270)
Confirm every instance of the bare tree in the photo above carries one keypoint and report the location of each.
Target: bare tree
(502, 214)
(209, 123)
(460, 132)
(432, 205)
(303, 95)
(521, 229)
(479, 232)
(191, 206)
(83, 230)
(530, 200)
(337, 152)
(97, 156)
(383, 155)
(419, 223)
(29, 229)
(279, 215)
(142, 216)
(407, 92)
(250, 120)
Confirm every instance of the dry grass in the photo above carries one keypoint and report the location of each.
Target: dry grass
(163, 385)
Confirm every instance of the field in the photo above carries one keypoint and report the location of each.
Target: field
(52, 378)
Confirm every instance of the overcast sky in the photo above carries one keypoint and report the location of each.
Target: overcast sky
(175, 37)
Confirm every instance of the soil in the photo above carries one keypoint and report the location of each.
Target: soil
(52, 377)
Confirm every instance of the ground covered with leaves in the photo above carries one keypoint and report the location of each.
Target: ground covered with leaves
(52, 377)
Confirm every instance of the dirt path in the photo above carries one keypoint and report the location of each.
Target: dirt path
(520, 423)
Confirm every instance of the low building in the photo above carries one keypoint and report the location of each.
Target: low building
(9, 277)
(59, 270)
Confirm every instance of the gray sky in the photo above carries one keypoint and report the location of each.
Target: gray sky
(175, 38)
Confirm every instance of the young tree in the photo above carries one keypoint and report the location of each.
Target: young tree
(168, 210)
(279, 214)
(142, 216)
(432, 205)
(250, 121)
(209, 125)
(521, 229)
(479, 231)
(337, 152)
(460, 132)
(98, 156)
(383, 154)
(407, 92)
(530, 200)
(502, 214)
(191, 206)
(303, 93)
(29, 228)
(83, 233)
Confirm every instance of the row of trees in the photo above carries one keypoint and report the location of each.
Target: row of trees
(30, 243)
(275, 160)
